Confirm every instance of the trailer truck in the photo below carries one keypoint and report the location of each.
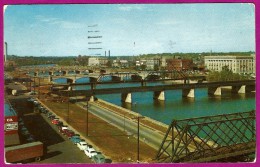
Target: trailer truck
(24, 152)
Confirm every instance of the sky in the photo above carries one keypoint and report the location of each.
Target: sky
(128, 29)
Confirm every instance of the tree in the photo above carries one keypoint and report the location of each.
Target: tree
(143, 67)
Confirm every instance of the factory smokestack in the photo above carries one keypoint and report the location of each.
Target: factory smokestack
(109, 53)
(105, 53)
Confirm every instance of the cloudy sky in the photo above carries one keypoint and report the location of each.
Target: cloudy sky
(63, 30)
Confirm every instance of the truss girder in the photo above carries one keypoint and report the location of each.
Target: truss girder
(209, 138)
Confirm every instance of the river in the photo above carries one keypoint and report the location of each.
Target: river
(175, 106)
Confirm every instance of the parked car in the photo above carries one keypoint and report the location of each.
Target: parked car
(55, 121)
(45, 111)
(29, 138)
(90, 152)
(82, 145)
(31, 99)
(75, 139)
(60, 123)
(89, 146)
(49, 114)
(52, 117)
(63, 129)
(32, 93)
(24, 131)
(69, 133)
(99, 158)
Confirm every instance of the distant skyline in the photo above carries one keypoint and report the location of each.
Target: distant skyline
(129, 29)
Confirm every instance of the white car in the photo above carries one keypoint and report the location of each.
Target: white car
(82, 145)
(91, 152)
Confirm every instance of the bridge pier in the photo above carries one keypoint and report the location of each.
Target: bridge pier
(214, 91)
(50, 72)
(188, 93)
(70, 80)
(239, 89)
(78, 72)
(92, 79)
(50, 78)
(143, 83)
(91, 99)
(65, 72)
(159, 95)
(186, 81)
(126, 97)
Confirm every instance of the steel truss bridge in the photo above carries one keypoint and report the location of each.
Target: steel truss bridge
(211, 138)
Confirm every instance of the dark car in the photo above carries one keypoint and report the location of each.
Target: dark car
(60, 123)
(52, 117)
(69, 133)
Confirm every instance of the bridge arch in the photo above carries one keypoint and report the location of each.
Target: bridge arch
(83, 80)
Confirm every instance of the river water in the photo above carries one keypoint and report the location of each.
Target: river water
(175, 106)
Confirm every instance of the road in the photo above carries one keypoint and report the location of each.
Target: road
(148, 135)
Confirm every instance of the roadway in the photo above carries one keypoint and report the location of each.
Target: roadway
(147, 134)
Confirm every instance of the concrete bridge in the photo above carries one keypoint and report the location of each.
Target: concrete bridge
(188, 90)
(130, 76)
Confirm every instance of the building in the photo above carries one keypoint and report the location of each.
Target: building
(237, 64)
(152, 64)
(103, 61)
(93, 61)
(124, 63)
(179, 64)
(11, 125)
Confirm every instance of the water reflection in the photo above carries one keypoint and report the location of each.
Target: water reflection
(188, 100)
(159, 104)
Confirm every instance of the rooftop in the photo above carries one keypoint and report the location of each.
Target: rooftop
(9, 111)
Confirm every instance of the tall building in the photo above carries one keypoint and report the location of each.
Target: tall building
(237, 64)
(5, 51)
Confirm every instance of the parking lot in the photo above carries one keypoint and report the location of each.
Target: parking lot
(58, 148)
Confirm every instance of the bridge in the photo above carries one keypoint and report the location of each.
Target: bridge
(131, 76)
(211, 138)
(188, 90)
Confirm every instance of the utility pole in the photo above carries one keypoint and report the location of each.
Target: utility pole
(39, 81)
(68, 107)
(86, 118)
(30, 83)
(138, 136)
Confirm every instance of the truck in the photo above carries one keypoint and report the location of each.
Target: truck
(24, 152)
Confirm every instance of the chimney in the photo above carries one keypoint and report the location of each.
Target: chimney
(109, 53)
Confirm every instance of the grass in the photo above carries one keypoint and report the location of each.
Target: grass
(112, 141)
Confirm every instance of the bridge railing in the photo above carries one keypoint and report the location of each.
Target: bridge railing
(209, 138)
